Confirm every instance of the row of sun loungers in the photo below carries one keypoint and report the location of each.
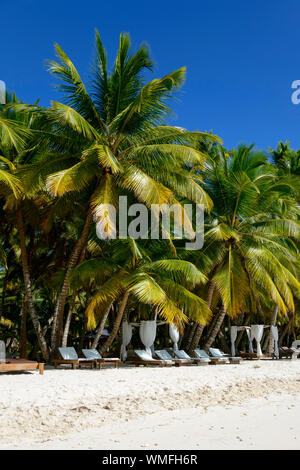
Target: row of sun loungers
(91, 357)
(167, 358)
(162, 358)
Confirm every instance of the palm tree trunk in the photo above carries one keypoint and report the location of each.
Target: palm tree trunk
(68, 320)
(61, 301)
(285, 331)
(4, 289)
(117, 324)
(100, 328)
(223, 340)
(273, 323)
(27, 283)
(216, 328)
(198, 330)
(71, 309)
(23, 335)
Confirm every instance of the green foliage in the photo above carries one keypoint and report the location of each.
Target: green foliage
(113, 138)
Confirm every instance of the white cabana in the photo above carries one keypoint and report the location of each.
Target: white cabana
(255, 332)
(274, 332)
(126, 338)
(250, 339)
(233, 336)
(148, 334)
(174, 335)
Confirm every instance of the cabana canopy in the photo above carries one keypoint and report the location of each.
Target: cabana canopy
(147, 332)
(255, 332)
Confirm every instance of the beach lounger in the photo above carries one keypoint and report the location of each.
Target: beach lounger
(21, 365)
(292, 353)
(219, 354)
(164, 355)
(181, 354)
(246, 355)
(144, 359)
(69, 356)
(93, 354)
(212, 360)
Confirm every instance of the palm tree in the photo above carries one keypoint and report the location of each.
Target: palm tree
(21, 139)
(137, 274)
(248, 240)
(123, 142)
(286, 160)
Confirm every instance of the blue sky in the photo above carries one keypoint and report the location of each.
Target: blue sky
(241, 56)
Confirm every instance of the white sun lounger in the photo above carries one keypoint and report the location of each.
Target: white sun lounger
(69, 356)
(145, 359)
(166, 356)
(93, 354)
(219, 354)
(212, 360)
(181, 354)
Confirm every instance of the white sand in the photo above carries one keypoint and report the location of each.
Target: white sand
(254, 405)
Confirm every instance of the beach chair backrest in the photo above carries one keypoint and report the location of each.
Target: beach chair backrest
(91, 354)
(143, 355)
(164, 355)
(215, 352)
(201, 353)
(181, 354)
(68, 354)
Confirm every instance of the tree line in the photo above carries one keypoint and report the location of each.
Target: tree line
(59, 168)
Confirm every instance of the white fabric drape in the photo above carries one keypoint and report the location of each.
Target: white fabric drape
(250, 338)
(2, 352)
(233, 336)
(274, 331)
(148, 334)
(126, 338)
(174, 335)
(257, 333)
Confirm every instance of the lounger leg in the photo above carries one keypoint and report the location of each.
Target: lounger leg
(74, 365)
(41, 368)
(116, 365)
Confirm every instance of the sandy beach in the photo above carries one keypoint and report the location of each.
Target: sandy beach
(253, 405)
